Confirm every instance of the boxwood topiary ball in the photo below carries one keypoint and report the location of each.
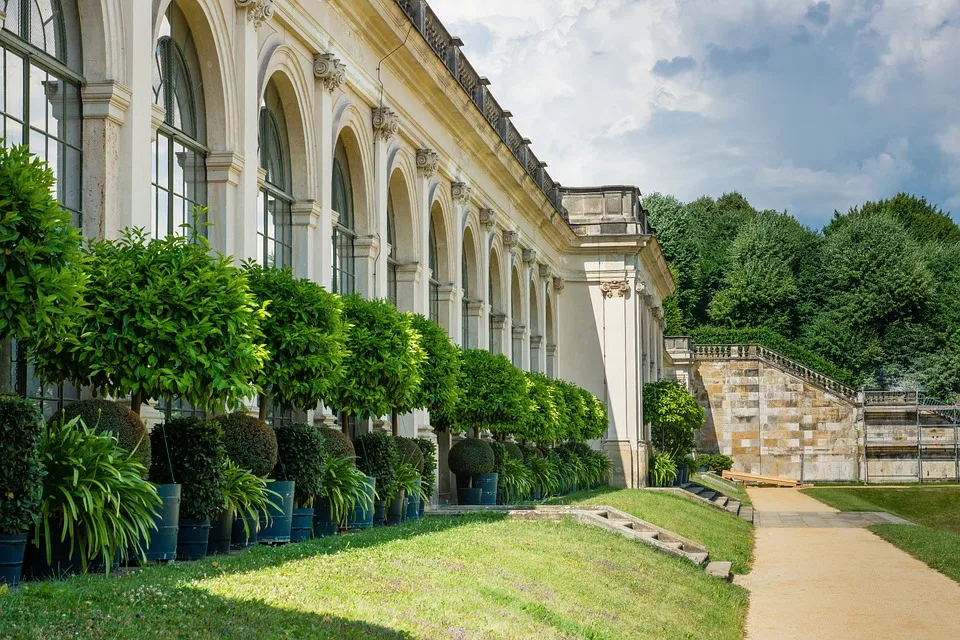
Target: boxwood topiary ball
(337, 444)
(529, 451)
(409, 451)
(499, 453)
(107, 416)
(514, 450)
(250, 443)
(471, 457)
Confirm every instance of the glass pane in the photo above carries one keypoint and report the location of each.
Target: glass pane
(163, 216)
(163, 161)
(14, 86)
(38, 103)
(178, 184)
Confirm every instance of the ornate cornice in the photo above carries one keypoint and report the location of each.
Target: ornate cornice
(428, 162)
(461, 192)
(386, 123)
(511, 239)
(488, 218)
(328, 68)
(614, 288)
(558, 284)
(530, 256)
(258, 11)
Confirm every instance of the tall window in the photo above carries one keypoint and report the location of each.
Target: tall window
(344, 233)
(41, 74)
(434, 275)
(179, 155)
(274, 200)
(392, 256)
(465, 304)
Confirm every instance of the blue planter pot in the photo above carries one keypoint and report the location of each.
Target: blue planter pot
(302, 525)
(488, 484)
(413, 505)
(244, 538)
(193, 538)
(277, 529)
(361, 517)
(379, 512)
(323, 523)
(469, 496)
(397, 508)
(421, 508)
(12, 548)
(221, 532)
(163, 541)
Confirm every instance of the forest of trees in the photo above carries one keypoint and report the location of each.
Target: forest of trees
(872, 299)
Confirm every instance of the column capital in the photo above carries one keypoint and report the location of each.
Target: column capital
(224, 166)
(461, 192)
(535, 341)
(558, 284)
(498, 321)
(409, 272)
(258, 11)
(386, 123)
(518, 331)
(546, 272)
(614, 288)
(306, 213)
(428, 162)
(511, 239)
(108, 100)
(488, 218)
(530, 256)
(328, 68)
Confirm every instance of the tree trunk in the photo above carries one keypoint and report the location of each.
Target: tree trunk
(262, 400)
(395, 422)
(136, 401)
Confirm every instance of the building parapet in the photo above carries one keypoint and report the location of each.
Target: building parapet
(609, 210)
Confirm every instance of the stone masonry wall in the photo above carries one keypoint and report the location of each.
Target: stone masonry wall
(773, 423)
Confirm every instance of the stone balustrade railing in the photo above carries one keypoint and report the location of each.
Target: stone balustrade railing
(447, 48)
(889, 398)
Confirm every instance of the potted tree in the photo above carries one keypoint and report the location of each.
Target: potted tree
(439, 389)
(674, 417)
(21, 424)
(413, 488)
(300, 457)
(195, 458)
(428, 448)
(245, 496)
(469, 458)
(341, 485)
(378, 457)
(252, 445)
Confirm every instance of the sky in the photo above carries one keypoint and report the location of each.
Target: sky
(807, 107)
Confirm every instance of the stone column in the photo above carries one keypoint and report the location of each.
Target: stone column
(427, 164)
(330, 74)
(474, 320)
(306, 218)
(449, 310)
(497, 323)
(410, 281)
(518, 331)
(104, 107)
(535, 352)
(545, 275)
(461, 193)
(529, 260)
(385, 127)
(488, 219)
(365, 250)
(135, 142)
(551, 361)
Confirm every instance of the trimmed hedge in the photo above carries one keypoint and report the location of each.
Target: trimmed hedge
(250, 442)
(21, 475)
(107, 416)
(300, 449)
(337, 444)
(471, 457)
(409, 452)
(198, 458)
(514, 450)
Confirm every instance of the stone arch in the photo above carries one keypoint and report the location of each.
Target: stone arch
(440, 219)
(471, 263)
(497, 284)
(351, 128)
(402, 193)
(101, 27)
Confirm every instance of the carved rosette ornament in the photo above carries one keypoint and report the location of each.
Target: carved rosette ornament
(530, 256)
(386, 123)
(614, 288)
(328, 68)
(558, 284)
(511, 239)
(428, 162)
(641, 286)
(545, 271)
(461, 192)
(258, 11)
(488, 218)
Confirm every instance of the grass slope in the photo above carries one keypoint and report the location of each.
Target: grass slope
(469, 577)
(936, 541)
(726, 536)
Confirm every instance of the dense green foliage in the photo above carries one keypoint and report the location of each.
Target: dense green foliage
(21, 474)
(300, 455)
(305, 334)
(336, 443)
(94, 494)
(493, 394)
(673, 415)
(190, 452)
(43, 278)
(873, 293)
(107, 416)
(439, 384)
(378, 457)
(409, 452)
(245, 494)
(250, 442)
(429, 450)
(344, 487)
(382, 368)
(541, 422)
(471, 457)
(167, 318)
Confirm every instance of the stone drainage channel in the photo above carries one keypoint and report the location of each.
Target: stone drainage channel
(609, 519)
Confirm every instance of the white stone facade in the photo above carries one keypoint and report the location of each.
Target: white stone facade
(378, 91)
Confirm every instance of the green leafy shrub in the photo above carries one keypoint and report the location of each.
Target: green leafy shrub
(43, 280)
(663, 469)
(702, 461)
(107, 416)
(439, 387)
(246, 494)
(471, 457)
(544, 475)
(410, 453)
(168, 318)
(572, 411)
(21, 473)
(344, 486)
(493, 394)
(406, 477)
(337, 444)
(720, 463)
(674, 416)
(541, 422)
(378, 457)
(300, 458)
(515, 482)
(382, 368)
(499, 453)
(95, 492)
(250, 442)
(305, 334)
(530, 451)
(514, 450)
(596, 419)
(429, 450)
(196, 459)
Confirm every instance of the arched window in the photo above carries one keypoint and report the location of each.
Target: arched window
(434, 274)
(41, 68)
(465, 304)
(179, 172)
(392, 256)
(275, 199)
(344, 233)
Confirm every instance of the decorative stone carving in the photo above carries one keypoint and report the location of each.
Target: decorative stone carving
(641, 286)
(648, 300)
(428, 161)
(558, 284)
(386, 123)
(328, 68)
(614, 288)
(529, 256)
(461, 192)
(488, 218)
(258, 11)
(511, 239)
(545, 271)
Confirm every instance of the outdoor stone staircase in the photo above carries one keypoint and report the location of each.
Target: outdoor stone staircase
(719, 500)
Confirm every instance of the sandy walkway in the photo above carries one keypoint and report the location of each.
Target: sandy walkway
(840, 583)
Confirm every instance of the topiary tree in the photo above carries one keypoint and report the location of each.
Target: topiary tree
(409, 452)
(300, 458)
(493, 394)
(514, 450)
(167, 318)
(107, 416)
(336, 443)
(530, 451)
(429, 450)
(305, 334)
(471, 457)
(597, 422)
(21, 474)
(378, 457)
(542, 420)
(382, 368)
(41, 290)
(195, 458)
(674, 416)
(575, 419)
(250, 442)
(440, 385)
(499, 453)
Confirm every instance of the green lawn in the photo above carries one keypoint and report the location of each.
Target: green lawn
(726, 536)
(935, 508)
(478, 576)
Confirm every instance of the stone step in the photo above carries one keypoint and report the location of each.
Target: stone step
(708, 494)
(720, 500)
(733, 507)
(673, 545)
(695, 489)
(746, 513)
(721, 570)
